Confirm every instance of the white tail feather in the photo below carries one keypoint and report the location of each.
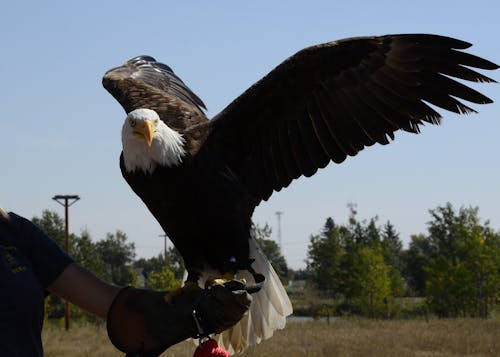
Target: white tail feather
(269, 309)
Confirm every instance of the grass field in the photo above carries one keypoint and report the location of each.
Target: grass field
(461, 337)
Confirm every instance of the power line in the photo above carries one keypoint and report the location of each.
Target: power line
(66, 201)
(165, 237)
(279, 214)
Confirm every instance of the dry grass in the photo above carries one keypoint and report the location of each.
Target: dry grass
(462, 337)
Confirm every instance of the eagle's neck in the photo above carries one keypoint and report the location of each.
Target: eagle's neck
(167, 149)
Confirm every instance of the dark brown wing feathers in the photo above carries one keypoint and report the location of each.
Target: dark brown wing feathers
(144, 83)
(329, 101)
(324, 103)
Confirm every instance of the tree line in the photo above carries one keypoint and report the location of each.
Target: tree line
(113, 259)
(363, 266)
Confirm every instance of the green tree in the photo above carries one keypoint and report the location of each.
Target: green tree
(53, 226)
(149, 265)
(176, 262)
(392, 248)
(117, 256)
(363, 233)
(413, 261)
(369, 282)
(364, 241)
(462, 273)
(85, 253)
(324, 258)
(271, 250)
(163, 280)
(161, 274)
(328, 227)
(350, 262)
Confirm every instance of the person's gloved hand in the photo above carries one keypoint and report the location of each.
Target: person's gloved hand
(142, 321)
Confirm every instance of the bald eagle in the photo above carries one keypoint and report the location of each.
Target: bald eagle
(202, 179)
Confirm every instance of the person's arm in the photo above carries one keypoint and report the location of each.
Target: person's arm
(57, 272)
(138, 320)
(143, 321)
(83, 289)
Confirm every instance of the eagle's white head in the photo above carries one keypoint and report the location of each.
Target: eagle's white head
(148, 142)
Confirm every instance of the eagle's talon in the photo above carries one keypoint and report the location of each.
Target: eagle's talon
(188, 286)
(222, 280)
(216, 281)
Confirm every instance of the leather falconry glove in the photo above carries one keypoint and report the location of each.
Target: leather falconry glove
(143, 323)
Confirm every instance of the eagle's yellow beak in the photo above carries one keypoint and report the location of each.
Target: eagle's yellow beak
(147, 131)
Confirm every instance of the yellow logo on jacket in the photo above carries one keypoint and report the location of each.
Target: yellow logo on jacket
(8, 256)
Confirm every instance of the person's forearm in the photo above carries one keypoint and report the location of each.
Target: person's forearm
(83, 289)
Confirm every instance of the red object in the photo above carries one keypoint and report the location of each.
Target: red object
(210, 348)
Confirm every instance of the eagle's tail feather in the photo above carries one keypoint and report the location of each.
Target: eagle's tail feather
(268, 311)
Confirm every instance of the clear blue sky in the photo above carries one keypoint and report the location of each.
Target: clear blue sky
(60, 130)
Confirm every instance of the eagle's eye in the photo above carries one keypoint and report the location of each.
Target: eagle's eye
(156, 121)
(132, 123)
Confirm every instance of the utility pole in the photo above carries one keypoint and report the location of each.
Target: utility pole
(66, 201)
(279, 214)
(165, 237)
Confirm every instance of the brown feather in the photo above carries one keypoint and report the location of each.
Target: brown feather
(339, 97)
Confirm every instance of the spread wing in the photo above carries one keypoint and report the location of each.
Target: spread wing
(330, 101)
(144, 83)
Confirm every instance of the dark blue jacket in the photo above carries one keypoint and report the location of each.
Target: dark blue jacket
(29, 262)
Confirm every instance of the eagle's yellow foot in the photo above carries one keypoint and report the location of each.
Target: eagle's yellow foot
(188, 286)
(222, 280)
